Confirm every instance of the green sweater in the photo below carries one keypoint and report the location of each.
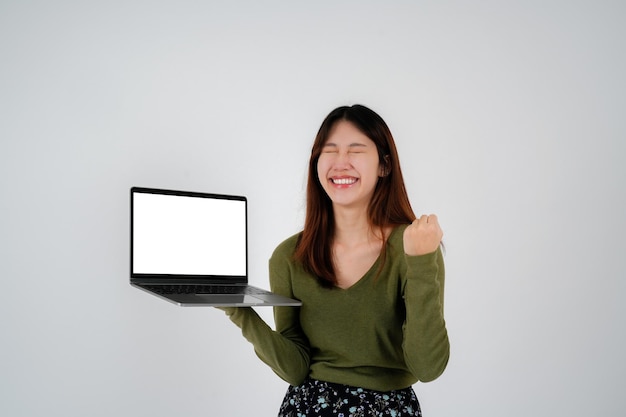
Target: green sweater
(385, 332)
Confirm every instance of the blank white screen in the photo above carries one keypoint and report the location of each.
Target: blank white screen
(188, 235)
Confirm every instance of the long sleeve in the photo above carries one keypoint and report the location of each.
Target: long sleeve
(287, 358)
(286, 349)
(425, 338)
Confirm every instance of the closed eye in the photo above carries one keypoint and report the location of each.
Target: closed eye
(353, 148)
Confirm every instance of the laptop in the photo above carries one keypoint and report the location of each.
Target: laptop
(191, 249)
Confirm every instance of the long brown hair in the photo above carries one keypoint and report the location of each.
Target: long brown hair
(389, 206)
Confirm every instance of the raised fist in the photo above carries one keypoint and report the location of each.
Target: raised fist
(422, 236)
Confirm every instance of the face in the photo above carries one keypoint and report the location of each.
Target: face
(348, 167)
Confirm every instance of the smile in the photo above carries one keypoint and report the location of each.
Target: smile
(343, 181)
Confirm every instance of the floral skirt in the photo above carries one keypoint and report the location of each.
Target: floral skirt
(315, 398)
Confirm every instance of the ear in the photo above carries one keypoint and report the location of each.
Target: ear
(385, 167)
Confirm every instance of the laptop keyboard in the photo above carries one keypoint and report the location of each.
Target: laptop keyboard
(203, 289)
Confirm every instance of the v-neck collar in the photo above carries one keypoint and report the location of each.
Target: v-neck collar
(366, 277)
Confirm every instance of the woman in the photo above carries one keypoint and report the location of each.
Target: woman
(370, 276)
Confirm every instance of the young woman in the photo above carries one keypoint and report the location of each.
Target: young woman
(370, 276)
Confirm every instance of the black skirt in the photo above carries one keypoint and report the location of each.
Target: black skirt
(315, 398)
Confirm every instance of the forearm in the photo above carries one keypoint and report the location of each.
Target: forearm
(283, 352)
(426, 345)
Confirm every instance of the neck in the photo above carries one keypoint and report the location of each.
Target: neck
(353, 227)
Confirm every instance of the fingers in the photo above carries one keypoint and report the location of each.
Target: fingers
(423, 236)
(429, 222)
(430, 218)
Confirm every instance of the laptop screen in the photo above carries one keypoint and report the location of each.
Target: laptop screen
(188, 234)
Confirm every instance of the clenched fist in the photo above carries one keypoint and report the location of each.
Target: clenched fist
(422, 236)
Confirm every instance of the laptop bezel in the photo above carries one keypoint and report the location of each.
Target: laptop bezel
(168, 279)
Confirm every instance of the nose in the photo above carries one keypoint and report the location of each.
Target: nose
(342, 160)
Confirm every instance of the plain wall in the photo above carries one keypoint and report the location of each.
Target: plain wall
(509, 118)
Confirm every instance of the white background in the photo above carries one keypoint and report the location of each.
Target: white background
(509, 117)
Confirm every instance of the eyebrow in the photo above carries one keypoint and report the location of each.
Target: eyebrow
(352, 145)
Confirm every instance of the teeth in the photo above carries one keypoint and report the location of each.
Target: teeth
(344, 181)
